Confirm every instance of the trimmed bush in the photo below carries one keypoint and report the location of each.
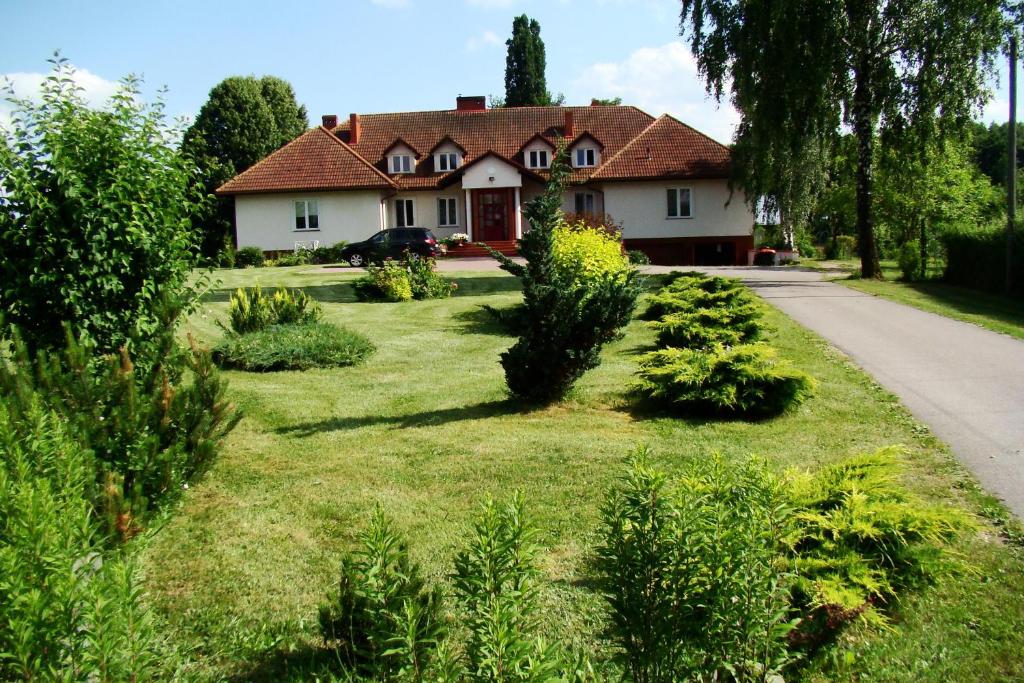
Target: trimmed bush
(582, 254)
(690, 572)
(728, 325)
(71, 607)
(744, 381)
(977, 259)
(249, 257)
(687, 292)
(251, 310)
(860, 538)
(293, 347)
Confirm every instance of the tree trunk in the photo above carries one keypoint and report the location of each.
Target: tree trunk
(864, 130)
(923, 274)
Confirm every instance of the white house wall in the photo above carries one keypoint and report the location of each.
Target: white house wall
(268, 220)
(641, 207)
(479, 176)
(425, 210)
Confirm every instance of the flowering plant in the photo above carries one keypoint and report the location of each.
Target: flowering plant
(459, 237)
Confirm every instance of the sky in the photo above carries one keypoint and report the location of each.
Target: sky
(369, 55)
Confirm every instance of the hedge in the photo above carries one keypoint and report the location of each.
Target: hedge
(978, 259)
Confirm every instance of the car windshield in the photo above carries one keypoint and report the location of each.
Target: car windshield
(379, 237)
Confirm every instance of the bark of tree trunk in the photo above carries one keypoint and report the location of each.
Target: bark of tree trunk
(864, 130)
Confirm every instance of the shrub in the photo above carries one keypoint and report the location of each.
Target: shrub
(152, 429)
(413, 278)
(583, 254)
(567, 314)
(383, 622)
(860, 538)
(746, 380)
(690, 572)
(805, 246)
(299, 258)
(251, 310)
(910, 261)
(293, 347)
(841, 247)
(94, 218)
(249, 257)
(703, 327)
(638, 258)
(72, 608)
(688, 292)
(977, 259)
(226, 256)
(327, 255)
(424, 281)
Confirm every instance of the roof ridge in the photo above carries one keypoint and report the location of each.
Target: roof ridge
(626, 146)
(357, 155)
(266, 158)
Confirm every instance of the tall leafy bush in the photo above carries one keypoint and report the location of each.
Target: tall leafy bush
(573, 303)
(94, 218)
(691, 572)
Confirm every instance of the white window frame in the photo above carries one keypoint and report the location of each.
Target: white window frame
(451, 212)
(401, 163)
(678, 202)
(589, 154)
(306, 205)
(408, 211)
(593, 202)
(532, 161)
(446, 161)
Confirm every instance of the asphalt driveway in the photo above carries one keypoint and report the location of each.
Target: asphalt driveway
(965, 382)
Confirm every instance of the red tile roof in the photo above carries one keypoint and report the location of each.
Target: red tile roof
(667, 149)
(635, 145)
(316, 160)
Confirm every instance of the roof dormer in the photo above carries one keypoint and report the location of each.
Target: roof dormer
(585, 151)
(448, 155)
(538, 152)
(401, 157)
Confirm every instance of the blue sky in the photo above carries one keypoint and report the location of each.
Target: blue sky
(367, 55)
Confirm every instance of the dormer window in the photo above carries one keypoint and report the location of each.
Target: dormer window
(401, 163)
(448, 161)
(538, 158)
(586, 156)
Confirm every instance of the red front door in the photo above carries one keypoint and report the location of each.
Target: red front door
(492, 215)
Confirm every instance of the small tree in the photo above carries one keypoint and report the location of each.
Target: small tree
(94, 217)
(525, 81)
(566, 319)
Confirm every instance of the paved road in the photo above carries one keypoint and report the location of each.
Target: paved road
(966, 383)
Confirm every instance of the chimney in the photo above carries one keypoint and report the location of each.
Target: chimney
(471, 103)
(353, 129)
(569, 129)
(330, 121)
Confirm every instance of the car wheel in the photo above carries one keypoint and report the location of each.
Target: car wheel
(356, 260)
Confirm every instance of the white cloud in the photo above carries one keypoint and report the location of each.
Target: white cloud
(659, 80)
(391, 4)
(96, 90)
(484, 39)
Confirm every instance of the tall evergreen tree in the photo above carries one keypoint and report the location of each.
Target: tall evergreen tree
(244, 119)
(525, 82)
(800, 69)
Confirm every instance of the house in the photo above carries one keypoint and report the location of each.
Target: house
(472, 169)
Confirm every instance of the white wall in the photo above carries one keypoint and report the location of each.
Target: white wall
(268, 220)
(641, 207)
(425, 209)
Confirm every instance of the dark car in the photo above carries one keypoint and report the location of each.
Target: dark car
(391, 243)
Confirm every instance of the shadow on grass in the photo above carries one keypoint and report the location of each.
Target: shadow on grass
(343, 292)
(972, 302)
(643, 409)
(479, 321)
(429, 418)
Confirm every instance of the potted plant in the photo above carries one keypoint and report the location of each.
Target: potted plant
(459, 239)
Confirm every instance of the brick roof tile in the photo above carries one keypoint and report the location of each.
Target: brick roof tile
(668, 148)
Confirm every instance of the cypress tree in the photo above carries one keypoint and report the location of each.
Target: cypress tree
(525, 83)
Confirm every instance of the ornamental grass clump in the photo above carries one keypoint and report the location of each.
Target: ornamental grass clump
(746, 380)
(251, 310)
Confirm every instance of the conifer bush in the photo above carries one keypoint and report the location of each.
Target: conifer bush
(570, 309)
(746, 380)
(298, 346)
(703, 327)
(71, 608)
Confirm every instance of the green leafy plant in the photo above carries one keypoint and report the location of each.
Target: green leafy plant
(387, 281)
(860, 538)
(638, 258)
(570, 310)
(298, 346)
(249, 257)
(582, 254)
(72, 607)
(910, 261)
(746, 380)
(250, 310)
(384, 622)
(328, 255)
(424, 280)
(94, 218)
(691, 572)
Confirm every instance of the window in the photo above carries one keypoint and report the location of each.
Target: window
(401, 163)
(447, 212)
(538, 158)
(585, 202)
(585, 157)
(679, 205)
(447, 162)
(404, 216)
(307, 215)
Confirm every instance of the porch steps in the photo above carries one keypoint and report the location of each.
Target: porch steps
(473, 250)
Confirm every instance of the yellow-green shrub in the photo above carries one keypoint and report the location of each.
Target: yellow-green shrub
(582, 254)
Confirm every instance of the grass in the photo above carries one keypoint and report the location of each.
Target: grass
(426, 429)
(991, 311)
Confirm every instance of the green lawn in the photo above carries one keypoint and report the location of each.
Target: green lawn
(425, 429)
(992, 311)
